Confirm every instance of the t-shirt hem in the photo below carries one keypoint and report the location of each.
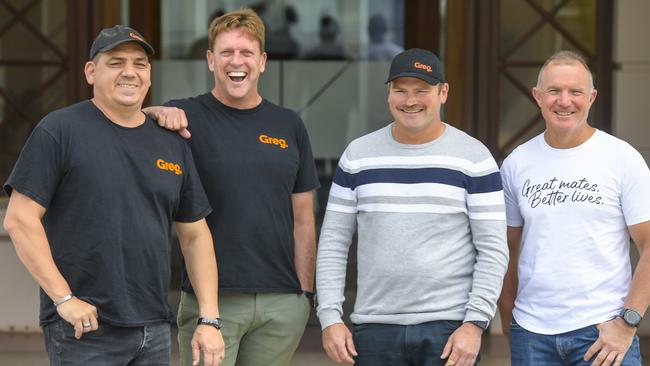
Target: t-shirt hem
(637, 220)
(196, 218)
(306, 189)
(561, 329)
(116, 323)
(9, 187)
(254, 290)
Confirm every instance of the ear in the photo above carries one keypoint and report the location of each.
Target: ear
(89, 71)
(444, 92)
(263, 62)
(592, 97)
(209, 56)
(537, 95)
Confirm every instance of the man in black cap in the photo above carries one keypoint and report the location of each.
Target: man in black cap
(94, 195)
(427, 204)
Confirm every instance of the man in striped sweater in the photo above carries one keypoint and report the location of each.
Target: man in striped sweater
(427, 203)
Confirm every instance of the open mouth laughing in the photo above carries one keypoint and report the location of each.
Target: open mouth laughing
(237, 76)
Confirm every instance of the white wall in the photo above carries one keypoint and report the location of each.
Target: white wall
(632, 80)
(19, 300)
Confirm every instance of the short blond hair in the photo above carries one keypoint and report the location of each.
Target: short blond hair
(245, 18)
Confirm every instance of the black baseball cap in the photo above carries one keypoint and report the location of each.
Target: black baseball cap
(110, 38)
(417, 63)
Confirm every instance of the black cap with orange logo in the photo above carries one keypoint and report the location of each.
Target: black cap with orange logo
(110, 38)
(417, 63)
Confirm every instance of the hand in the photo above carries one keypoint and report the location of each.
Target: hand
(207, 340)
(174, 119)
(337, 342)
(614, 339)
(463, 346)
(80, 314)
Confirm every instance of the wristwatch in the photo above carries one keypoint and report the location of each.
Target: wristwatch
(631, 317)
(215, 322)
(479, 323)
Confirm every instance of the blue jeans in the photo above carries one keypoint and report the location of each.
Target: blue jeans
(564, 349)
(402, 345)
(109, 345)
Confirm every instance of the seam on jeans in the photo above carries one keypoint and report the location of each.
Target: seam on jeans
(143, 344)
(59, 335)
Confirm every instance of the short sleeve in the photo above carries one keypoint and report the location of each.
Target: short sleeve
(194, 204)
(306, 178)
(513, 215)
(635, 190)
(39, 168)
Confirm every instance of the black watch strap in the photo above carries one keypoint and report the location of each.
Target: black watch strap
(215, 322)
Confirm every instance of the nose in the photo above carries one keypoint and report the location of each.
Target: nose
(128, 70)
(411, 99)
(564, 98)
(236, 58)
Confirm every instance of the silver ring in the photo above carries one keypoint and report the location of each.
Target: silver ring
(86, 325)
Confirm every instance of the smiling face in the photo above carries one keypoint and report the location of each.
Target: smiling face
(237, 63)
(120, 77)
(415, 106)
(565, 95)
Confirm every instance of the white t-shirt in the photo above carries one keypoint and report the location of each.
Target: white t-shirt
(575, 206)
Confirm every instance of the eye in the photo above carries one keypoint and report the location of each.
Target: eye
(225, 53)
(577, 93)
(553, 91)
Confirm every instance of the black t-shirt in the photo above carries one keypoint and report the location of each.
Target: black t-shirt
(250, 162)
(111, 194)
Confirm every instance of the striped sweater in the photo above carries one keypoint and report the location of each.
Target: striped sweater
(431, 231)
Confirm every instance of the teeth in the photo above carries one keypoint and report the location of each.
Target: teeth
(237, 74)
(564, 114)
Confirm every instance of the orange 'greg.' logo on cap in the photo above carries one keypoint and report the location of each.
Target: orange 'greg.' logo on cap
(133, 35)
(419, 65)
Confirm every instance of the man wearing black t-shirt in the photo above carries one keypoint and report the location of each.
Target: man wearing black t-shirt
(255, 161)
(94, 195)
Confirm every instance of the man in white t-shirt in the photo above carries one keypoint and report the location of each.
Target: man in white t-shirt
(574, 197)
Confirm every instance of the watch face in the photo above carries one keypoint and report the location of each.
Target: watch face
(631, 317)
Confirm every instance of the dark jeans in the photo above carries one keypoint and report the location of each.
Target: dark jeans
(564, 349)
(109, 345)
(403, 345)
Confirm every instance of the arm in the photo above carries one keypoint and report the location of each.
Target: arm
(198, 251)
(616, 336)
(304, 233)
(23, 223)
(489, 239)
(511, 280)
(171, 118)
(335, 240)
